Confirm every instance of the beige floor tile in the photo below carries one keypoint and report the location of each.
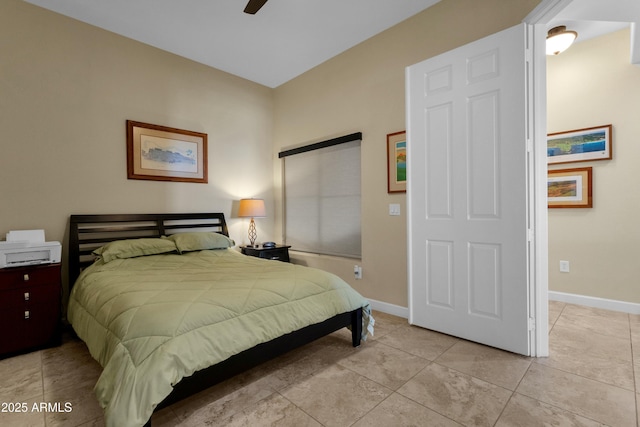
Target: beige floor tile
(461, 397)
(635, 336)
(275, 411)
(397, 410)
(486, 363)
(76, 405)
(302, 363)
(98, 422)
(555, 309)
(69, 365)
(583, 310)
(599, 357)
(634, 321)
(635, 350)
(21, 377)
(386, 324)
(165, 418)
(336, 396)
(589, 398)
(419, 342)
(604, 322)
(385, 365)
(215, 405)
(22, 415)
(523, 411)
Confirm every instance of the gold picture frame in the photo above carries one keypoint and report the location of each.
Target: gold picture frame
(570, 188)
(161, 153)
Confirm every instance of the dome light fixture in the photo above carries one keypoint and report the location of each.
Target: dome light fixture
(559, 39)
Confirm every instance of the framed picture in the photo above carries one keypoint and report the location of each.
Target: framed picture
(397, 162)
(580, 145)
(161, 153)
(570, 188)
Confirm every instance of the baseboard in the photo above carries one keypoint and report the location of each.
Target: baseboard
(607, 304)
(393, 309)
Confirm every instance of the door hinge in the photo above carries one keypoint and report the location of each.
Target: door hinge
(530, 235)
(532, 323)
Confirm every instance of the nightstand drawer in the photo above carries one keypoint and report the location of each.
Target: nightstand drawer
(30, 295)
(28, 276)
(34, 326)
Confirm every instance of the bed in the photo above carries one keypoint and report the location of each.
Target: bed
(168, 307)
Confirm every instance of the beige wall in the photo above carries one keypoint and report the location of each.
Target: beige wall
(592, 84)
(363, 90)
(66, 90)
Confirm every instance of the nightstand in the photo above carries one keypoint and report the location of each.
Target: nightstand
(279, 252)
(29, 307)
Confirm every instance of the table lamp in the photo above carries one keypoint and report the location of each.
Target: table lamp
(252, 208)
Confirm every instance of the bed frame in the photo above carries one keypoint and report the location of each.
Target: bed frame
(88, 232)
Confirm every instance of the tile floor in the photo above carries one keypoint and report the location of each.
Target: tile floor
(405, 376)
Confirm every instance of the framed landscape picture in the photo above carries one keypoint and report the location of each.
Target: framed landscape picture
(161, 153)
(397, 162)
(570, 188)
(580, 145)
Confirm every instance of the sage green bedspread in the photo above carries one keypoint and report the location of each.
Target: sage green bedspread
(152, 320)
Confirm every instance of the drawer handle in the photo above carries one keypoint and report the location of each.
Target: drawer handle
(25, 278)
(26, 314)
(26, 296)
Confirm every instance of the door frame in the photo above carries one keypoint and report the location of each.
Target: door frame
(537, 21)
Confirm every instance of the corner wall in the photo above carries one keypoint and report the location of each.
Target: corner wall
(593, 84)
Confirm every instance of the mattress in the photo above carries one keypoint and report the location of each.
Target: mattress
(152, 320)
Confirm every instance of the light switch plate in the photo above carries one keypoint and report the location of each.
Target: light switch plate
(394, 209)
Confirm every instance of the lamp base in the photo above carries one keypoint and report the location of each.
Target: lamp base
(252, 232)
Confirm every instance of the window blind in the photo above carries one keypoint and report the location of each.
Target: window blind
(322, 197)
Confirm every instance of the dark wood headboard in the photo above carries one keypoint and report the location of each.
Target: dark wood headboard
(89, 232)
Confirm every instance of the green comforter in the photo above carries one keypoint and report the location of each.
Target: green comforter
(150, 321)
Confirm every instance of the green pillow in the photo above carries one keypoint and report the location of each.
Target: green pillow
(132, 248)
(197, 241)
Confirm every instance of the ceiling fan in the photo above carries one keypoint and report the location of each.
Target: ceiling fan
(253, 6)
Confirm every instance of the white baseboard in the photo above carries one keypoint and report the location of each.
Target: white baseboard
(393, 309)
(607, 304)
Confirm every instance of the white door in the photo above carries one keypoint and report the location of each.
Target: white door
(468, 192)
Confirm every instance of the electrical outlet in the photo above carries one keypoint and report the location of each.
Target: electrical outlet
(357, 272)
(564, 266)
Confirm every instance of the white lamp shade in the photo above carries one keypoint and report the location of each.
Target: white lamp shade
(559, 40)
(251, 208)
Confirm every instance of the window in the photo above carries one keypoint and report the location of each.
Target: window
(322, 197)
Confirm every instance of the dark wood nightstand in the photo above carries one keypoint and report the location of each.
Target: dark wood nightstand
(29, 308)
(279, 252)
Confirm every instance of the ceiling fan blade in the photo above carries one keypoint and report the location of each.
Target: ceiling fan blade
(253, 6)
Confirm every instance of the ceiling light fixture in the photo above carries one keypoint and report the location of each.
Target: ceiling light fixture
(559, 39)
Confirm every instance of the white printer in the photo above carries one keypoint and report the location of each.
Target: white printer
(28, 247)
